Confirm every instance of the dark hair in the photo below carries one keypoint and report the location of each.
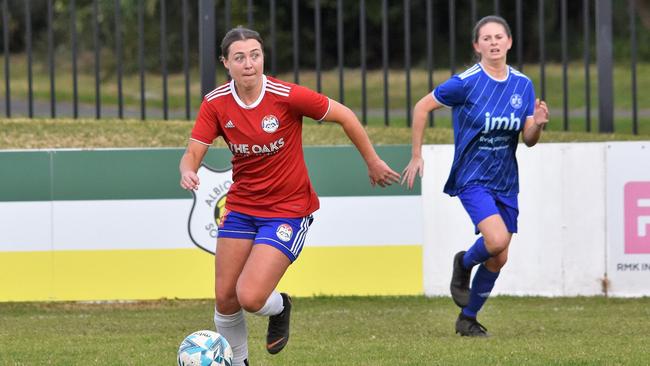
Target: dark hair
(490, 19)
(485, 20)
(238, 33)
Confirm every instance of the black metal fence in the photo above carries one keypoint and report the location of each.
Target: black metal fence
(366, 37)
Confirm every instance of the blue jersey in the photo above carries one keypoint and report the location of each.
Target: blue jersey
(487, 116)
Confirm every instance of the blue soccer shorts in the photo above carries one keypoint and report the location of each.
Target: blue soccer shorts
(481, 202)
(285, 234)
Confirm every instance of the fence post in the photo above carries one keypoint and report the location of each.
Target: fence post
(207, 44)
(5, 38)
(605, 64)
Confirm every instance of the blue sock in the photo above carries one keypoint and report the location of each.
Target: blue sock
(481, 287)
(476, 254)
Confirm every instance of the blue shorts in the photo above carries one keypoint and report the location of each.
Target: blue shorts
(285, 234)
(480, 202)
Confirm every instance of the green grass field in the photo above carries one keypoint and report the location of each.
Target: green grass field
(338, 331)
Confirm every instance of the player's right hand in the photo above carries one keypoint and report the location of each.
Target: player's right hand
(381, 174)
(190, 181)
(414, 167)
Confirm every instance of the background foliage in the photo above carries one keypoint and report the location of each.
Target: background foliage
(284, 53)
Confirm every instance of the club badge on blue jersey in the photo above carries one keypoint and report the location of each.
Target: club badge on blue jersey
(516, 101)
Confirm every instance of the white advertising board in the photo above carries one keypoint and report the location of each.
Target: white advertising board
(559, 249)
(628, 218)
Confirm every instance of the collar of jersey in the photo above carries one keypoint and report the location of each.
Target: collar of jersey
(256, 102)
(495, 79)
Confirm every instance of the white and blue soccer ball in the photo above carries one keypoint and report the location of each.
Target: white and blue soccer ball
(205, 348)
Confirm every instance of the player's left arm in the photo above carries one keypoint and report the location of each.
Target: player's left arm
(378, 171)
(534, 124)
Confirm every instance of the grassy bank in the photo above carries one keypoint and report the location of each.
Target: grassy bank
(397, 103)
(113, 133)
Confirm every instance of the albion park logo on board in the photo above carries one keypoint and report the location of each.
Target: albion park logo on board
(209, 206)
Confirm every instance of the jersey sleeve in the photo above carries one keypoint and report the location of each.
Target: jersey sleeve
(450, 93)
(530, 108)
(206, 128)
(308, 103)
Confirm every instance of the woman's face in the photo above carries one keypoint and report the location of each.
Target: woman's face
(493, 42)
(245, 62)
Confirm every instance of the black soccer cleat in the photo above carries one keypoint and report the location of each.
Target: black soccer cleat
(246, 362)
(460, 277)
(277, 335)
(470, 327)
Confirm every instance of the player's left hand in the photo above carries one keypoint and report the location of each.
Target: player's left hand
(541, 113)
(413, 169)
(381, 174)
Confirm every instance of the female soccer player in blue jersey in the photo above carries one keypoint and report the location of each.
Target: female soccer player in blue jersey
(491, 104)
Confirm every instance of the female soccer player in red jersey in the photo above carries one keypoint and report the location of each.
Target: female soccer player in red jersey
(271, 199)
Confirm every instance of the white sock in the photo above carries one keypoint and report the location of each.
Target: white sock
(273, 306)
(233, 328)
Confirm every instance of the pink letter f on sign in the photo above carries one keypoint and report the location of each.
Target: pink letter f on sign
(637, 217)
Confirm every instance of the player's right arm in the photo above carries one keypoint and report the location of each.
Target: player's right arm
(190, 163)
(420, 112)
(205, 130)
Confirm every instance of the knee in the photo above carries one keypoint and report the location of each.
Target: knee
(226, 303)
(250, 300)
(496, 243)
(497, 262)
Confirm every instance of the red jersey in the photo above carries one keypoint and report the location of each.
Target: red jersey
(269, 172)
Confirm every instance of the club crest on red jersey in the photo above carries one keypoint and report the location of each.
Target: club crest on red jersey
(209, 207)
(270, 123)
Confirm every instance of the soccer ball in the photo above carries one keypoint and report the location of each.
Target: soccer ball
(205, 348)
